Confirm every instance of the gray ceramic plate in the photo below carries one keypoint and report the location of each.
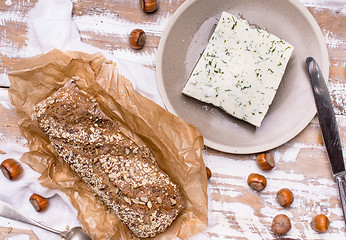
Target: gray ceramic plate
(185, 37)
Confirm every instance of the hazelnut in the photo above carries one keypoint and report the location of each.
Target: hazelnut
(265, 161)
(149, 6)
(208, 172)
(285, 197)
(320, 223)
(257, 181)
(11, 169)
(38, 202)
(281, 224)
(137, 38)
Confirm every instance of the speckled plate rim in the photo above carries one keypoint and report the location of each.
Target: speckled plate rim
(301, 9)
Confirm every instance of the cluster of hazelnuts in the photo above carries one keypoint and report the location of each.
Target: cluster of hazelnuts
(281, 223)
(12, 170)
(137, 36)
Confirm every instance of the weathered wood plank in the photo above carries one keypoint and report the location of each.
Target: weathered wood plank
(12, 233)
(236, 212)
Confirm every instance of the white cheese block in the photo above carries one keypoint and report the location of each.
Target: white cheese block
(240, 69)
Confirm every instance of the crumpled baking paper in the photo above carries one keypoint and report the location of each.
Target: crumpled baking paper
(176, 144)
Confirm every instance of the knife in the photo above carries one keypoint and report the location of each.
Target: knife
(330, 132)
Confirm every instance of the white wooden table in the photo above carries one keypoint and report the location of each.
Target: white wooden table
(235, 211)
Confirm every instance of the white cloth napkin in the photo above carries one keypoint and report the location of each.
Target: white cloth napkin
(50, 26)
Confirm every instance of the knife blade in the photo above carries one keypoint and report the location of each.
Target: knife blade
(329, 127)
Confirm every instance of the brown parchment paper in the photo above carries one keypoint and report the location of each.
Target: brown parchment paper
(176, 144)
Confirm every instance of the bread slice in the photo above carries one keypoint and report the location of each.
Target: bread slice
(123, 175)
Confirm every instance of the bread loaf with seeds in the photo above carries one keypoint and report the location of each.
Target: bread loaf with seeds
(123, 175)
